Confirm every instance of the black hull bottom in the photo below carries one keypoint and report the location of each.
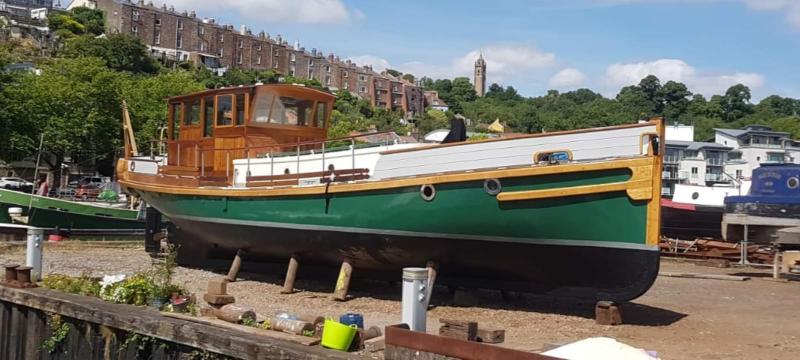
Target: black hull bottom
(592, 273)
(704, 221)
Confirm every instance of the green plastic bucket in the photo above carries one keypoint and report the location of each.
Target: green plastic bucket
(336, 335)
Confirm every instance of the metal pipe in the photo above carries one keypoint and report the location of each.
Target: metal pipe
(179, 155)
(228, 164)
(271, 164)
(323, 156)
(33, 256)
(247, 153)
(415, 299)
(353, 146)
(743, 260)
(298, 159)
(202, 164)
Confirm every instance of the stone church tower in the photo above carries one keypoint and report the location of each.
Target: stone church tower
(480, 76)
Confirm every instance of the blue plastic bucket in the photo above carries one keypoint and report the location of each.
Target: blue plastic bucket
(352, 319)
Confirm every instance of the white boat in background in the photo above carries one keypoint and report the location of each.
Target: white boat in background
(696, 210)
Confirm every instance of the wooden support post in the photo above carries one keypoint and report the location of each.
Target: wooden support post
(433, 269)
(291, 275)
(607, 313)
(343, 282)
(235, 266)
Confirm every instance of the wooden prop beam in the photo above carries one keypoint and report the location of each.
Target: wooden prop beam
(235, 266)
(291, 274)
(343, 281)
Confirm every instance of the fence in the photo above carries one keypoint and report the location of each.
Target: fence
(46, 324)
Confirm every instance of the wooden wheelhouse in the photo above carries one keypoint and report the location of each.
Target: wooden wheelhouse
(208, 130)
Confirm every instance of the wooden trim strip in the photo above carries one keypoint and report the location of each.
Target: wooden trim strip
(528, 136)
(155, 185)
(581, 190)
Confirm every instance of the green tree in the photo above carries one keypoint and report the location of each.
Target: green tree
(393, 72)
(736, 103)
(120, 52)
(675, 97)
(91, 19)
(408, 77)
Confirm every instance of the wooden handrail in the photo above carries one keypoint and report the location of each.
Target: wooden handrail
(293, 144)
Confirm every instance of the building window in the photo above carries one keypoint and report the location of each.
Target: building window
(310, 73)
(259, 47)
(239, 60)
(291, 71)
(362, 78)
(275, 65)
(135, 29)
(344, 86)
(276, 52)
(344, 73)
(158, 21)
(694, 173)
(258, 60)
(201, 30)
(292, 57)
(327, 68)
(179, 41)
(157, 37)
(739, 174)
(202, 46)
(180, 24)
(363, 89)
(310, 62)
(135, 15)
(222, 37)
(327, 80)
(241, 44)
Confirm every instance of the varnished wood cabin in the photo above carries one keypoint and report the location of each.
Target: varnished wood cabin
(208, 130)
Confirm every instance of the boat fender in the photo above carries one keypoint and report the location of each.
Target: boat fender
(793, 183)
(132, 167)
(492, 186)
(427, 192)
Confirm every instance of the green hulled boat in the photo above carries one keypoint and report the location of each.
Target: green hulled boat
(46, 212)
(568, 214)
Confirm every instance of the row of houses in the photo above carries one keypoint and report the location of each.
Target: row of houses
(183, 36)
(731, 157)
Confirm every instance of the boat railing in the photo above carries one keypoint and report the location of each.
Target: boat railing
(193, 159)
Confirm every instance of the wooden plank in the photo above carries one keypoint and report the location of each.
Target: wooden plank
(149, 322)
(343, 281)
(457, 329)
(298, 339)
(705, 276)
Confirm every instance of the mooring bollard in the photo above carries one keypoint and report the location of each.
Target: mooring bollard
(415, 298)
(33, 257)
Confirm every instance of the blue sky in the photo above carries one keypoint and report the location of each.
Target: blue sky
(537, 45)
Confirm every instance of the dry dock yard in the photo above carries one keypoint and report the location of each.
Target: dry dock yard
(678, 318)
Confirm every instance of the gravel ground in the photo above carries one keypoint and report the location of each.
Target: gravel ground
(679, 318)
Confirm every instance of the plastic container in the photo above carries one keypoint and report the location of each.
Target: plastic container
(352, 319)
(338, 336)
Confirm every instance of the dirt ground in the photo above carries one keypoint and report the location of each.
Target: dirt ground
(679, 318)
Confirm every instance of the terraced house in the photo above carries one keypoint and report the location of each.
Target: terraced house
(183, 36)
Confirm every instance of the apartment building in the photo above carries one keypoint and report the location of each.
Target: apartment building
(183, 36)
(731, 157)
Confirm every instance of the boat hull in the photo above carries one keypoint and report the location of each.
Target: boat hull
(688, 221)
(594, 273)
(592, 246)
(67, 215)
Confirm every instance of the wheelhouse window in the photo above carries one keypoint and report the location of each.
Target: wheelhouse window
(177, 108)
(240, 109)
(208, 112)
(224, 110)
(261, 108)
(291, 111)
(322, 113)
(191, 112)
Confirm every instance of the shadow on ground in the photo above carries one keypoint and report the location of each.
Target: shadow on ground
(322, 280)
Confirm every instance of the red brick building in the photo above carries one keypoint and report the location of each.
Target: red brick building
(183, 36)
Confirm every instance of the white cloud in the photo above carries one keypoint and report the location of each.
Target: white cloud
(295, 11)
(619, 75)
(378, 63)
(503, 62)
(567, 79)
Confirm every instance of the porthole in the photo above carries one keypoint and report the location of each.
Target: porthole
(133, 166)
(286, 171)
(492, 186)
(695, 195)
(427, 192)
(330, 167)
(793, 183)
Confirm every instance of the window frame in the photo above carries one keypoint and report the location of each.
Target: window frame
(216, 110)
